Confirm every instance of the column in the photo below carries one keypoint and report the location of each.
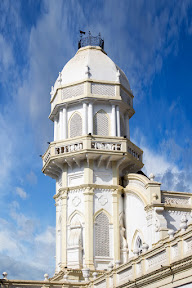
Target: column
(64, 228)
(90, 117)
(85, 118)
(113, 126)
(118, 121)
(116, 232)
(127, 132)
(61, 124)
(55, 128)
(65, 122)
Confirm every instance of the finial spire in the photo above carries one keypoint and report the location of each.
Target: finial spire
(90, 40)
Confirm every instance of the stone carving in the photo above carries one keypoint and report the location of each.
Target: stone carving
(76, 201)
(183, 225)
(102, 200)
(123, 241)
(160, 221)
(171, 200)
(157, 259)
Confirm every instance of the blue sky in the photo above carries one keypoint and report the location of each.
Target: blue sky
(150, 40)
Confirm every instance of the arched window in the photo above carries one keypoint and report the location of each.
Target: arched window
(75, 125)
(101, 123)
(139, 244)
(101, 235)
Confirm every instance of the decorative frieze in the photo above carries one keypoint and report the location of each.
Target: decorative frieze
(173, 200)
(156, 259)
(125, 274)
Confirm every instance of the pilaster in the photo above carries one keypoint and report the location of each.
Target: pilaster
(116, 232)
(88, 202)
(115, 170)
(64, 228)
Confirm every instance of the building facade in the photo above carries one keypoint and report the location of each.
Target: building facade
(115, 227)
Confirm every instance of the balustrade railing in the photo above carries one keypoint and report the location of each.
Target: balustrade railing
(96, 143)
(68, 148)
(134, 153)
(106, 146)
(47, 156)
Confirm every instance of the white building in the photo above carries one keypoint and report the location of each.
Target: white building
(114, 225)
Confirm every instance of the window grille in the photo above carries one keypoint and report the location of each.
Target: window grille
(125, 97)
(75, 125)
(102, 235)
(103, 89)
(72, 91)
(101, 123)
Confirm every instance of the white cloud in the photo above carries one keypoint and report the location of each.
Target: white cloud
(32, 178)
(47, 237)
(20, 191)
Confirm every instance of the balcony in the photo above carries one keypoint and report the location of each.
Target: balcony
(93, 147)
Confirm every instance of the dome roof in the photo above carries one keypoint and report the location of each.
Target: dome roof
(93, 63)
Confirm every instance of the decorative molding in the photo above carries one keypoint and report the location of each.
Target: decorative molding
(173, 200)
(76, 201)
(178, 212)
(102, 200)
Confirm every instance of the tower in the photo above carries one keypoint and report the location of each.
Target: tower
(91, 104)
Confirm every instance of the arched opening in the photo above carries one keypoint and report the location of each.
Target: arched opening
(101, 123)
(138, 244)
(102, 235)
(75, 125)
